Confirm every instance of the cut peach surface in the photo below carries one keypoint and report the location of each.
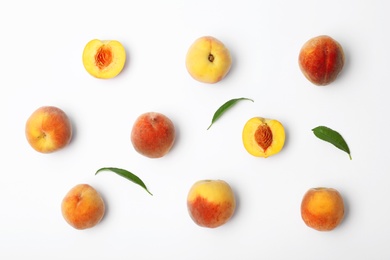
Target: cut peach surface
(104, 59)
(263, 137)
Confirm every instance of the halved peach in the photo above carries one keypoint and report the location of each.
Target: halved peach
(263, 137)
(104, 59)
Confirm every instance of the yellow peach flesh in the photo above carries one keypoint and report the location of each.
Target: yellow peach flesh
(263, 137)
(104, 59)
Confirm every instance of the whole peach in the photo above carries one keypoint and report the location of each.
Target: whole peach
(208, 60)
(211, 203)
(321, 59)
(83, 207)
(48, 129)
(153, 134)
(322, 208)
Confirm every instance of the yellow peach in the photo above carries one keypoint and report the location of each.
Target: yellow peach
(211, 203)
(48, 129)
(322, 208)
(208, 60)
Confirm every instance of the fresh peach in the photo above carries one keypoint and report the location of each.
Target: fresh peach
(48, 129)
(208, 60)
(211, 203)
(153, 134)
(322, 208)
(104, 59)
(321, 59)
(263, 137)
(83, 207)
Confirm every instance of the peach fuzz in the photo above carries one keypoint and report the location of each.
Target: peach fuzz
(82, 207)
(322, 208)
(211, 203)
(321, 59)
(208, 60)
(48, 129)
(153, 134)
(104, 59)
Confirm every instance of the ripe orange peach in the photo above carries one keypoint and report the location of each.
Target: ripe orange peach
(211, 203)
(48, 129)
(321, 59)
(83, 207)
(153, 134)
(322, 208)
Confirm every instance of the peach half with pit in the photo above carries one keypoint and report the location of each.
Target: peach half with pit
(104, 59)
(211, 203)
(83, 207)
(321, 59)
(208, 60)
(263, 137)
(48, 129)
(322, 208)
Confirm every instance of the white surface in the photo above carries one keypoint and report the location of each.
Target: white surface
(41, 47)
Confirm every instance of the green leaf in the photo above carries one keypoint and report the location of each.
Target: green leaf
(126, 174)
(225, 107)
(333, 137)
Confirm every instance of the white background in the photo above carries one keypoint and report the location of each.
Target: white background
(41, 47)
